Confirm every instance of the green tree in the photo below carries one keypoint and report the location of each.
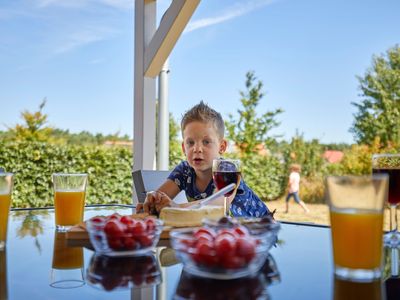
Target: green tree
(307, 154)
(35, 128)
(263, 173)
(336, 146)
(249, 131)
(175, 149)
(84, 137)
(6, 135)
(379, 111)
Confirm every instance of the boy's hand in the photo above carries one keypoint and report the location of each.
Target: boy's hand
(155, 201)
(139, 207)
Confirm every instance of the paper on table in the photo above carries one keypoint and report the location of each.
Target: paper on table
(214, 196)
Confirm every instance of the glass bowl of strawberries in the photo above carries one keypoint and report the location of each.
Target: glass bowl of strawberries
(117, 235)
(221, 252)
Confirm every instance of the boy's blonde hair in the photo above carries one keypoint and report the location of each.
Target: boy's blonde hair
(295, 168)
(204, 113)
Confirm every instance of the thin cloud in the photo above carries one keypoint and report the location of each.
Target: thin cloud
(235, 11)
(96, 61)
(84, 37)
(62, 3)
(6, 14)
(120, 4)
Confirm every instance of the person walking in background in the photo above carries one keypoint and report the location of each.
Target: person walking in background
(294, 187)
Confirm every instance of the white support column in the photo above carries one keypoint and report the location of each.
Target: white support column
(144, 88)
(152, 48)
(163, 120)
(144, 111)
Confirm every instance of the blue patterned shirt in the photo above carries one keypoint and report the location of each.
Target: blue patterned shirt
(245, 204)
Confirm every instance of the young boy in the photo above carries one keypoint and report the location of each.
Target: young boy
(294, 187)
(203, 141)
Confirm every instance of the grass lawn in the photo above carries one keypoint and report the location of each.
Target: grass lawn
(319, 213)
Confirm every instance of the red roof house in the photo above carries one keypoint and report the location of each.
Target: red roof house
(333, 156)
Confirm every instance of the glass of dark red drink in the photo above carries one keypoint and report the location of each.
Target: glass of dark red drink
(390, 164)
(225, 172)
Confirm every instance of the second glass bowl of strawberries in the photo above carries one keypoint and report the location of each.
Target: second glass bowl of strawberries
(117, 235)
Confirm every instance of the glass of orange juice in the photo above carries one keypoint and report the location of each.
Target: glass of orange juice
(6, 185)
(69, 199)
(67, 266)
(356, 214)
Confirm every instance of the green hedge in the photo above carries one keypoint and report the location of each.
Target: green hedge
(265, 175)
(109, 169)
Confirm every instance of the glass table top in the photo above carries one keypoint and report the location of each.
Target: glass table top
(37, 261)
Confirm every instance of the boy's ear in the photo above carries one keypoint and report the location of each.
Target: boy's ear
(183, 148)
(222, 146)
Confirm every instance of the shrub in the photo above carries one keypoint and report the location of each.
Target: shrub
(312, 189)
(109, 170)
(307, 154)
(265, 175)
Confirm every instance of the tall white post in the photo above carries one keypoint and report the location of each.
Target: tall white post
(163, 119)
(144, 135)
(152, 48)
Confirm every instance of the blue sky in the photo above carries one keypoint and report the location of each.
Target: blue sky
(79, 55)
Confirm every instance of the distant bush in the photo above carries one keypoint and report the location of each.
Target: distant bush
(307, 154)
(357, 160)
(312, 189)
(265, 175)
(109, 170)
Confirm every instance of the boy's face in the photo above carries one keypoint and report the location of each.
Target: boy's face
(201, 144)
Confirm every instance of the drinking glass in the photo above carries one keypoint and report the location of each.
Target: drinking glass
(67, 266)
(6, 185)
(69, 199)
(225, 172)
(356, 215)
(390, 164)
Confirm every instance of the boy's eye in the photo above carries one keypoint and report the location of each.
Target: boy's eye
(206, 142)
(190, 143)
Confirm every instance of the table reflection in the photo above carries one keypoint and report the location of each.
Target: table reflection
(116, 273)
(348, 290)
(67, 265)
(392, 287)
(3, 275)
(32, 236)
(391, 269)
(31, 225)
(252, 287)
